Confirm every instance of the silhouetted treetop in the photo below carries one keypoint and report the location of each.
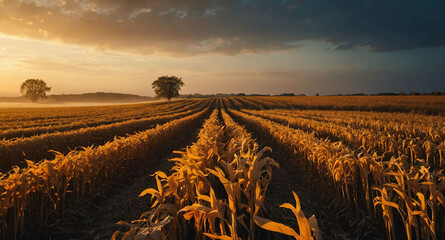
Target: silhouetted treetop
(34, 89)
(167, 86)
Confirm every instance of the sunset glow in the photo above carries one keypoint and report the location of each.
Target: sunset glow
(280, 46)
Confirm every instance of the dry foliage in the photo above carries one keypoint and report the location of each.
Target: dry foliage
(14, 151)
(385, 165)
(416, 192)
(44, 188)
(422, 142)
(217, 190)
(17, 124)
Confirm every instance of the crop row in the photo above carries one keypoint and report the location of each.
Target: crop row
(416, 125)
(428, 150)
(48, 186)
(97, 120)
(217, 190)
(434, 105)
(13, 152)
(60, 113)
(409, 196)
(82, 117)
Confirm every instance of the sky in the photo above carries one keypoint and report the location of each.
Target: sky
(224, 46)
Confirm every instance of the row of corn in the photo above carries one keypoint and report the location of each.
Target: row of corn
(404, 196)
(22, 128)
(216, 190)
(434, 105)
(400, 124)
(29, 196)
(429, 130)
(13, 152)
(33, 117)
(253, 103)
(428, 150)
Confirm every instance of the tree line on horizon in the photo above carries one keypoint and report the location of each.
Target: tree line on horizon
(164, 87)
(169, 86)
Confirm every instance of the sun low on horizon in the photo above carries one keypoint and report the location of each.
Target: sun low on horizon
(266, 47)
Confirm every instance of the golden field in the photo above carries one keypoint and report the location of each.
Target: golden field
(251, 168)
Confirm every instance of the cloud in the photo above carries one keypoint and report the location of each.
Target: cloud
(193, 27)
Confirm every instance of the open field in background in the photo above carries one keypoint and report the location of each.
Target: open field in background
(360, 167)
(52, 105)
(419, 104)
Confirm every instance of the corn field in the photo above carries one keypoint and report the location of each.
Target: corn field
(381, 161)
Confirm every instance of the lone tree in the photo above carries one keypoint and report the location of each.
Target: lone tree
(34, 89)
(167, 86)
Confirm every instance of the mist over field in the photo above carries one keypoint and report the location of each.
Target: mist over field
(45, 104)
(88, 99)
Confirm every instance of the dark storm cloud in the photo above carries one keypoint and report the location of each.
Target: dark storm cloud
(192, 27)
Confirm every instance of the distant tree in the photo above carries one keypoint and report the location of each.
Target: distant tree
(167, 86)
(387, 94)
(317, 94)
(34, 89)
(287, 94)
